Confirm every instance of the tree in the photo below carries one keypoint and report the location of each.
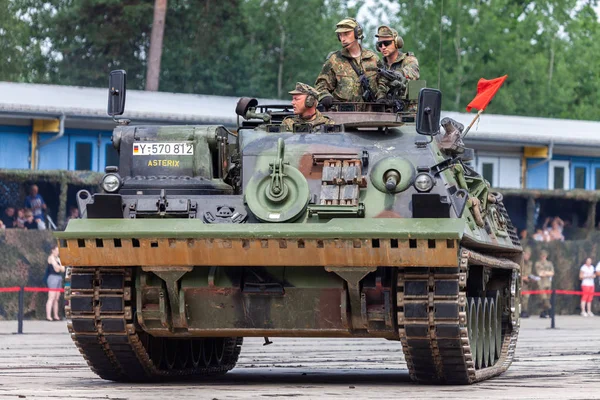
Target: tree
(530, 41)
(156, 45)
(86, 39)
(16, 48)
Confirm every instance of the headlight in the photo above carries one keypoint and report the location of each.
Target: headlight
(111, 183)
(424, 182)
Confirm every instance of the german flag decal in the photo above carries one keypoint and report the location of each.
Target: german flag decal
(136, 149)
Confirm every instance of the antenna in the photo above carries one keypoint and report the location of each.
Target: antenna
(440, 48)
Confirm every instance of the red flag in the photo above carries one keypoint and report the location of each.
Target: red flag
(486, 90)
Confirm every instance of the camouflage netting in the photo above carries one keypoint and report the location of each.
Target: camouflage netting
(23, 260)
(567, 258)
(57, 187)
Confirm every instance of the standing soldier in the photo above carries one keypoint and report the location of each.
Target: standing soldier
(304, 101)
(389, 44)
(349, 74)
(526, 282)
(545, 270)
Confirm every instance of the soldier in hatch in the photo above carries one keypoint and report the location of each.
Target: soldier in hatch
(340, 78)
(304, 101)
(545, 270)
(389, 43)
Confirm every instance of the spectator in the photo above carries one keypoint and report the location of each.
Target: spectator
(523, 235)
(35, 202)
(541, 235)
(9, 219)
(586, 275)
(21, 218)
(54, 280)
(555, 231)
(73, 213)
(30, 222)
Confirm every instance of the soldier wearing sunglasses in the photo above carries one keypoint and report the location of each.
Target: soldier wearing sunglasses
(389, 43)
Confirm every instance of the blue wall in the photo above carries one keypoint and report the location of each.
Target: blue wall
(14, 146)
(537, 178)
(54, 155)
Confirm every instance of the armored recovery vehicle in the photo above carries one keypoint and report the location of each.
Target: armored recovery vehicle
(373, 227)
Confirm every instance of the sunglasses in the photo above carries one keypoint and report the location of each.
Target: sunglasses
(385, 43)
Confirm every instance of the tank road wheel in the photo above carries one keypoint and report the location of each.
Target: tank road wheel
(196, 352)
(479, 312)
(183, 353)
(472, 325)
(496, 322)
(100, 311)
(207, 352)
(170, 353)
(492, 338)
(448, 337)
(487, 335)
(219, 350)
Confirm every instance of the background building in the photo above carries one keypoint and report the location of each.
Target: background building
(49, 127)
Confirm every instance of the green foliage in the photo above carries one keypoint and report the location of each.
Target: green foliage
(15, 45)
(83, 40)
(545, 47)
(262, 47)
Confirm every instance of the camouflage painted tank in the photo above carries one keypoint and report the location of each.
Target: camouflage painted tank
(363, 229)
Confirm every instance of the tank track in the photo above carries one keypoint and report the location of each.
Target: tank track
(100, 319)
(433, 322)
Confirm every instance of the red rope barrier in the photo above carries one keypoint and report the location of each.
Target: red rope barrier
(29, 289)
(557, 291)
(10, 289)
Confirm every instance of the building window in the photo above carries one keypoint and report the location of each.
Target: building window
(597, 178)
(83, 156)
(111, 155)
(558, 176)
(487, 170)
(580, 177)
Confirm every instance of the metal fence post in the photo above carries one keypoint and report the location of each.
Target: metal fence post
(552, 308)
(20, 312)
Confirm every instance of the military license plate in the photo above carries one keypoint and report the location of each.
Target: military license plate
(163, 149)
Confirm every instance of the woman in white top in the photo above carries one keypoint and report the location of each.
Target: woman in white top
(587, 274)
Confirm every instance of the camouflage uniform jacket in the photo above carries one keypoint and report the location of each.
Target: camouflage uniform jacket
(545, 281)
(525, 272)
(406, 63)
(338, 78)
(316, 120)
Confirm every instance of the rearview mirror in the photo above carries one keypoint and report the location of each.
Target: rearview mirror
(428, 114)
(117, 85)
